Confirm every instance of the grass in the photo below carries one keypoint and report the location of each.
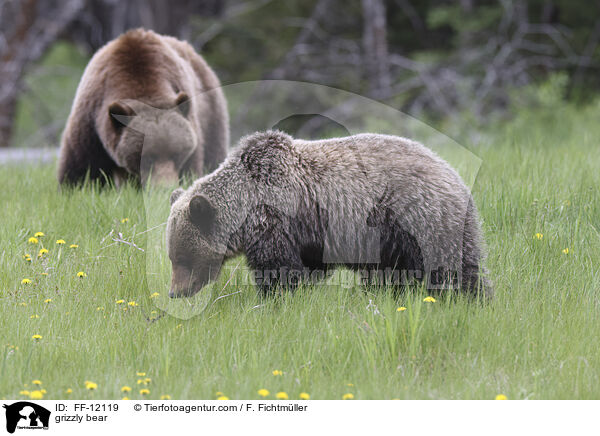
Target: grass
(538, 339)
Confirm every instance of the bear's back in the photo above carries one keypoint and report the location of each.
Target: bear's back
(369, 161)
(348, 168)
(137, 65)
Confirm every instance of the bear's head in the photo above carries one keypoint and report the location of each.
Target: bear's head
(195, 243)
(151, 142)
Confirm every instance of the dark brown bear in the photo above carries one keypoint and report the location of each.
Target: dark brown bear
(146, 104)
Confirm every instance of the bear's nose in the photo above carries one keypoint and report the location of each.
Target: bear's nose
(164, 173)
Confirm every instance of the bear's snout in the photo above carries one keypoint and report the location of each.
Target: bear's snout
(185, 282)
(164, 172)
(181, 282)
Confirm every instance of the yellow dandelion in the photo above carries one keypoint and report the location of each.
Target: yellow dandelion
(348, 396)
(33, 240)
(81, 274)
(69, 391)
(44, 273)
(60, 242)
(139, 374)
(165, 397)
(219, 394)
(144, 391)
(277, 372)
(429, 300)
(538, 236)
(304, 396)
(350, 385)
(281, 396)
(120, 301)
(99, 308)
(223, 398)
(34, 316)
(39, 234)
(124, 220)
(48, 300)
(501, 397)
(178, 326)
(566, 251)
(36, 337)
(125, 389)
(42, 252)
(154, 295)
(36, 395)
(263, 393)
(26, 393)
(37, 382)
(43, 391)
(27, 257)
(23, 304)
(401, 309)
(73, 246)
(132, 304)
(125, 398)
(25, 281)
(89, 385)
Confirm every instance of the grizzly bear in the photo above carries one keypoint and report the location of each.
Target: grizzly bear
(146, 104)
(382, 205)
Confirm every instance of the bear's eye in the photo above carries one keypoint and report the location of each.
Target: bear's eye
(184, 261)
(183, 256)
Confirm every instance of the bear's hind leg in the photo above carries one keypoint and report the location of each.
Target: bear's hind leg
(475, 282)
(474, 275)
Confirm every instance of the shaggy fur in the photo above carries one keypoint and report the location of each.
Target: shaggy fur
(168, 97)
(374, 203)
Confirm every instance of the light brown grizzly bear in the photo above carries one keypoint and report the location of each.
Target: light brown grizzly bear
(146, 104)
(382, 205)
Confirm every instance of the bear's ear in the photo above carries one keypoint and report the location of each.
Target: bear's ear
(183, 104)
(175, 195)
(120, 114)
(202, 212)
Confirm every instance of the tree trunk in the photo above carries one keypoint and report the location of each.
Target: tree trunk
(375, 47)
(15, 20)
(28, 29)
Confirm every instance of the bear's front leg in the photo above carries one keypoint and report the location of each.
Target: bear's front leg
(276, 262)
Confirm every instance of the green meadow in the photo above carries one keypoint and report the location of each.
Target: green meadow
(102, 314)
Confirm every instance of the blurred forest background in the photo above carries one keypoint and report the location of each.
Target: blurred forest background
(466, 62)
